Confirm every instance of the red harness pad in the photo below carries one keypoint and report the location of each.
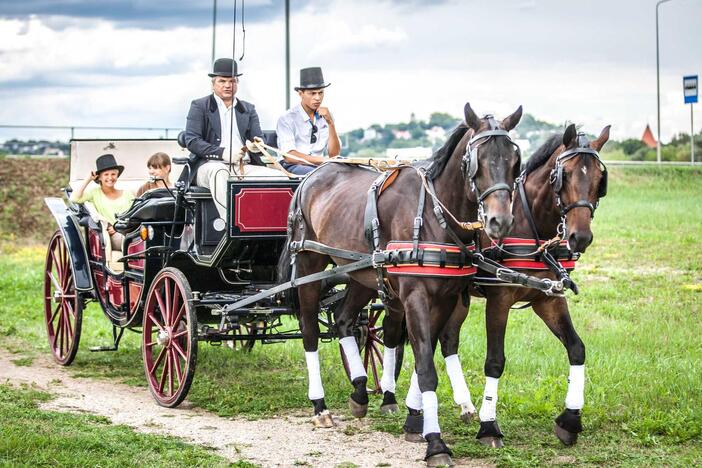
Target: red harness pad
(430, 267)
(529, 263)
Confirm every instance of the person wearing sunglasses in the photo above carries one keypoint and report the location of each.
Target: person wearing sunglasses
(307, 131)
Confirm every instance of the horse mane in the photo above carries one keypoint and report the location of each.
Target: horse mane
(438, 161)
(544, 152)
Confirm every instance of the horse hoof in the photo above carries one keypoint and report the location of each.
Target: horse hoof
(440, 459)
(414, 437)
(358, 410)
(568, 438)
(323, 420)
(494, 442)
(389, 409)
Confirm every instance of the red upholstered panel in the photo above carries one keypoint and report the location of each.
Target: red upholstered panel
(94, 244)
(262, 209)
(134, 295)
(114, 288)
(136, 247)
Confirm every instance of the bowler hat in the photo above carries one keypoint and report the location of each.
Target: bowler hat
(224, 67)
(311, 78)
(105, 162)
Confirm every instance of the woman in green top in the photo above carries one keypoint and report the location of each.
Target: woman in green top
(108, 201)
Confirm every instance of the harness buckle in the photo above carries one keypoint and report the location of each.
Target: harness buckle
(418, 221)
(378, 258)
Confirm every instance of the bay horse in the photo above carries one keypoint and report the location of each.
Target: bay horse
(562, 182)
(474, 171)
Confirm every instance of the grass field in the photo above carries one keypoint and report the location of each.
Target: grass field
(638, 312)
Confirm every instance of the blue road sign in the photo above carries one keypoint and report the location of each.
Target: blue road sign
(690, 88)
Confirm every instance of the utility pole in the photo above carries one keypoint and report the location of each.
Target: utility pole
(287, 54)
(658, 86)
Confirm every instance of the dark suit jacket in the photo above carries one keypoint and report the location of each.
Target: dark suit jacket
(203, 131)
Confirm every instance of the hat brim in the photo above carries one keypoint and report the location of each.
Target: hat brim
(212, 75)
(307, 88)
(120, 170)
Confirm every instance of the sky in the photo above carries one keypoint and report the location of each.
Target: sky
(139, 63)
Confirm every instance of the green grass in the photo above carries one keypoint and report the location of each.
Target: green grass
(638, 312)
(32, 437)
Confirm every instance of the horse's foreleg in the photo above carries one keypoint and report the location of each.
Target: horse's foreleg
(422, 326)
(309, 326)
(449, 339)
(496, 315)
(554, 313)
(357, 296)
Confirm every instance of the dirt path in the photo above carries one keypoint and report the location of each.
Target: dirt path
(280, 441)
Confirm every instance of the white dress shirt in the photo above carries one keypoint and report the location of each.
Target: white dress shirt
(294, 131)
(225, 118)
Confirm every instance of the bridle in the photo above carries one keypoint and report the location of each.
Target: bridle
(470, 160)
(556, 177)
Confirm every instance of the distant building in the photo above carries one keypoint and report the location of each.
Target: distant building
(402, 134)
(370, 134)
(648, 139)
(435, 134)
(418, 152)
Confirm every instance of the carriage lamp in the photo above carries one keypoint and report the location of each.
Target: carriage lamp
(146, 232)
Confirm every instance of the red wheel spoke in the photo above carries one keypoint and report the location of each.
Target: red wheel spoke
(373, 366)
(59, 273)
(374, 316)
(67, 325)
(175, 309)
(178, 348)
(158, 360)
(161, 306)
(170, 372)
(167, 293)
(53, 316)
(180, 333)
(179, 371)
(178, 316)
(54, 281)
(164, 374)
(153, 319)
(148, 345)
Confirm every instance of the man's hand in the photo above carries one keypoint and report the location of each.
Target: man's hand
(110, 230)
(251, 147)
(238, 155)
(326, 115)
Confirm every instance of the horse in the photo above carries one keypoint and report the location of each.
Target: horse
(562, 185)
(473, 172)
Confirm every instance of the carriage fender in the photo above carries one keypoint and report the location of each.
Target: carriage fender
(68, 225)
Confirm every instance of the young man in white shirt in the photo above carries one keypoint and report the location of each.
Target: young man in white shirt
(306, 131)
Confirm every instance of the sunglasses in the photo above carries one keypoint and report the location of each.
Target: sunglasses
(313, 138)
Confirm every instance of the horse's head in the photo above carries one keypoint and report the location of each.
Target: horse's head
(579, 180)
(490, 166)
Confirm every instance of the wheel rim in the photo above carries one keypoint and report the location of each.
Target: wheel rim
(61, 302)
(167, 339)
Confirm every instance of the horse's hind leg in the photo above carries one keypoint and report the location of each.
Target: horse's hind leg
(308, 263)
(449, 340)
(554, 313)
(394, 335)
(357, 297)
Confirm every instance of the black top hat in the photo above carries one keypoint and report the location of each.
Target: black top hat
(224, 67)
(105, 162)
(311, 78)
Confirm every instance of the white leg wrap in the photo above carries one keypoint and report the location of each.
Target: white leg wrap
(387, 381)
(315, 390)
(461, 394)
(414, 396)
(488, 409)
(353, 357)
(430, 405)
(575, 398)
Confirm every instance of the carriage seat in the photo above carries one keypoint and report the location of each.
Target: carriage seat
(112, 256)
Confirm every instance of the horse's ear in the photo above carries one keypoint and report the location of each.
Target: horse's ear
(510, 122)
(569, 135)
(471, 117)
(602, 139)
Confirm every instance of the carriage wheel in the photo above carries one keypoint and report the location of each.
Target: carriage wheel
(63, 308)
(169, 337)
(245, 329)
(370, 344)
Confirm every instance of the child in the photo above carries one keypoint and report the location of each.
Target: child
(159, 165)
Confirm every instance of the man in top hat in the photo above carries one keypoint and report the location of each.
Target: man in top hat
(307, 130)
(210, 135)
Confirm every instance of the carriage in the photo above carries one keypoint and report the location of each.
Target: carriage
(184, 276)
